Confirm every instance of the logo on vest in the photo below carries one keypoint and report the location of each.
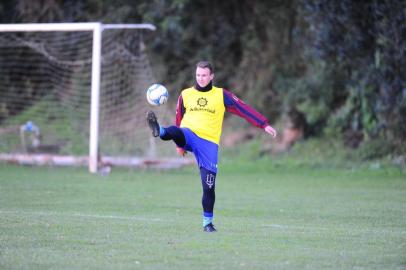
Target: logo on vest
(202, 102)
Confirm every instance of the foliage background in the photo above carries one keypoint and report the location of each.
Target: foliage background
(339, 64)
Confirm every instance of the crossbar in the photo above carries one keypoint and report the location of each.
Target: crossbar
(86, 26)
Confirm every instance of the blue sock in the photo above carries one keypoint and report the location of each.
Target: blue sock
(162, 131)
(207, 218)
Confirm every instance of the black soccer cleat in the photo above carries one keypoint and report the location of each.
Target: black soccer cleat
(209, 228)
(153, 123)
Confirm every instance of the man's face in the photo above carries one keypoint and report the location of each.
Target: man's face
(203, 76)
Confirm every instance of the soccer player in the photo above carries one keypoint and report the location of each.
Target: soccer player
(199, 118)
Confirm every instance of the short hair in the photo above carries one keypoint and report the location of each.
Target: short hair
(205, 64)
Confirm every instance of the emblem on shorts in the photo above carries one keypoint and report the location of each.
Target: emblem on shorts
(202, 102)
(210, 180)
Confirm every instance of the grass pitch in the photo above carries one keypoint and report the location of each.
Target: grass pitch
(268, 217)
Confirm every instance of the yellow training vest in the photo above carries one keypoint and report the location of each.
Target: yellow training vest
(204, 112)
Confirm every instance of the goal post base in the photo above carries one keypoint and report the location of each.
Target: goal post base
(83, 161)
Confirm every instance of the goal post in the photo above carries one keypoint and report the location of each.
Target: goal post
(96, 28)
(95, 97)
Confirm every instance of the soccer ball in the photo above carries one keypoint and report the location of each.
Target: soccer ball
(157, 94)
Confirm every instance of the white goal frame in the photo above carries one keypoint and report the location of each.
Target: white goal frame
(97, 29)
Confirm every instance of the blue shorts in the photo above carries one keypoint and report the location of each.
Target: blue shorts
(206, 152)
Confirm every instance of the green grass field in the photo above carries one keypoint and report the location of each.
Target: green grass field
(267, 216)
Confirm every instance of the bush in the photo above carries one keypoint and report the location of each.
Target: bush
(376, 149)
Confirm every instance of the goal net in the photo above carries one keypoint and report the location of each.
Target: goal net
(45, 94)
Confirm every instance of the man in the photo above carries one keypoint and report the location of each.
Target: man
(199, 118)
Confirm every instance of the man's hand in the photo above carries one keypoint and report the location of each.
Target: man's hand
(182, 152)
(271, 130)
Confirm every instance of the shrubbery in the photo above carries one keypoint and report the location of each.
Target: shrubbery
(340, 63)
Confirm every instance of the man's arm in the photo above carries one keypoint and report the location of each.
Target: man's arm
(180, 111)
(236, 106)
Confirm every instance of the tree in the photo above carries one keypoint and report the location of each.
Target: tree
(365, 41)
